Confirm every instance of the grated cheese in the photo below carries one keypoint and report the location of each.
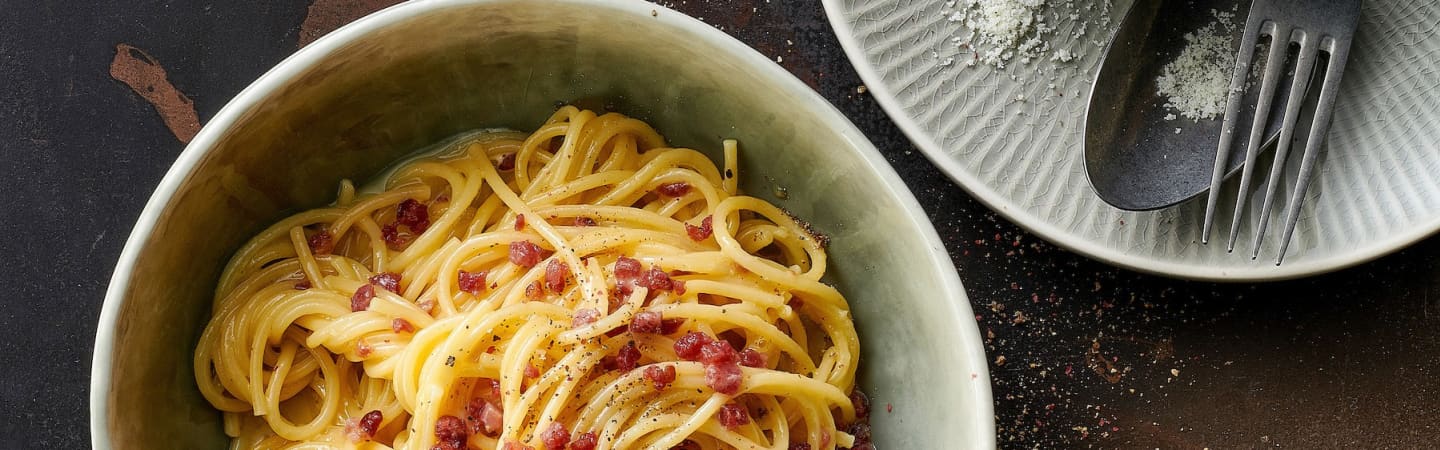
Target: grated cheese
(1197, 82)
(1001, 32)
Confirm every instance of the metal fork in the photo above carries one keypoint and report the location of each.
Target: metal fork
(1316, 26)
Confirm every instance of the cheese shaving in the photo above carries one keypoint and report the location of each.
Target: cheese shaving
(1197, 82)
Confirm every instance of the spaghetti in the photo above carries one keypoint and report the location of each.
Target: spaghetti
(582, 287)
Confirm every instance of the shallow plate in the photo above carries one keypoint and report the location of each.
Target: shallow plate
(1013, 138)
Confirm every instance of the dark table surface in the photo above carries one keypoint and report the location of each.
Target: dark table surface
(1347, 359)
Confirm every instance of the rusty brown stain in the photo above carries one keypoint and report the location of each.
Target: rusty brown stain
(1161, 350)
(1102, 365)
(144, 75)
(325, 16)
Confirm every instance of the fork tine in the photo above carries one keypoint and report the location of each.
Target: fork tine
(1335, 66)
(1227, 127)
(1304, 67)
(1274, 71)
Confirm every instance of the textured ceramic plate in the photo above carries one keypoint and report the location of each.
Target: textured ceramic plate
(1013, 138)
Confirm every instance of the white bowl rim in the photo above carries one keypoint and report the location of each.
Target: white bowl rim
(1009, 209)
(971, 352)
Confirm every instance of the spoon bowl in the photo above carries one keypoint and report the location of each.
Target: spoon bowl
(1140, 154)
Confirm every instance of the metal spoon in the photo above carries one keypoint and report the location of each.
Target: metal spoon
(1134, 156)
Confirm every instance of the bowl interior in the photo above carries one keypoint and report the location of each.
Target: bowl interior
(352, 103)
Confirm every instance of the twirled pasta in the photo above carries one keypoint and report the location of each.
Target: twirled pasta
(584, 286)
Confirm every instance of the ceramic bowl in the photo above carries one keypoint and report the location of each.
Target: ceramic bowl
(349, 104)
